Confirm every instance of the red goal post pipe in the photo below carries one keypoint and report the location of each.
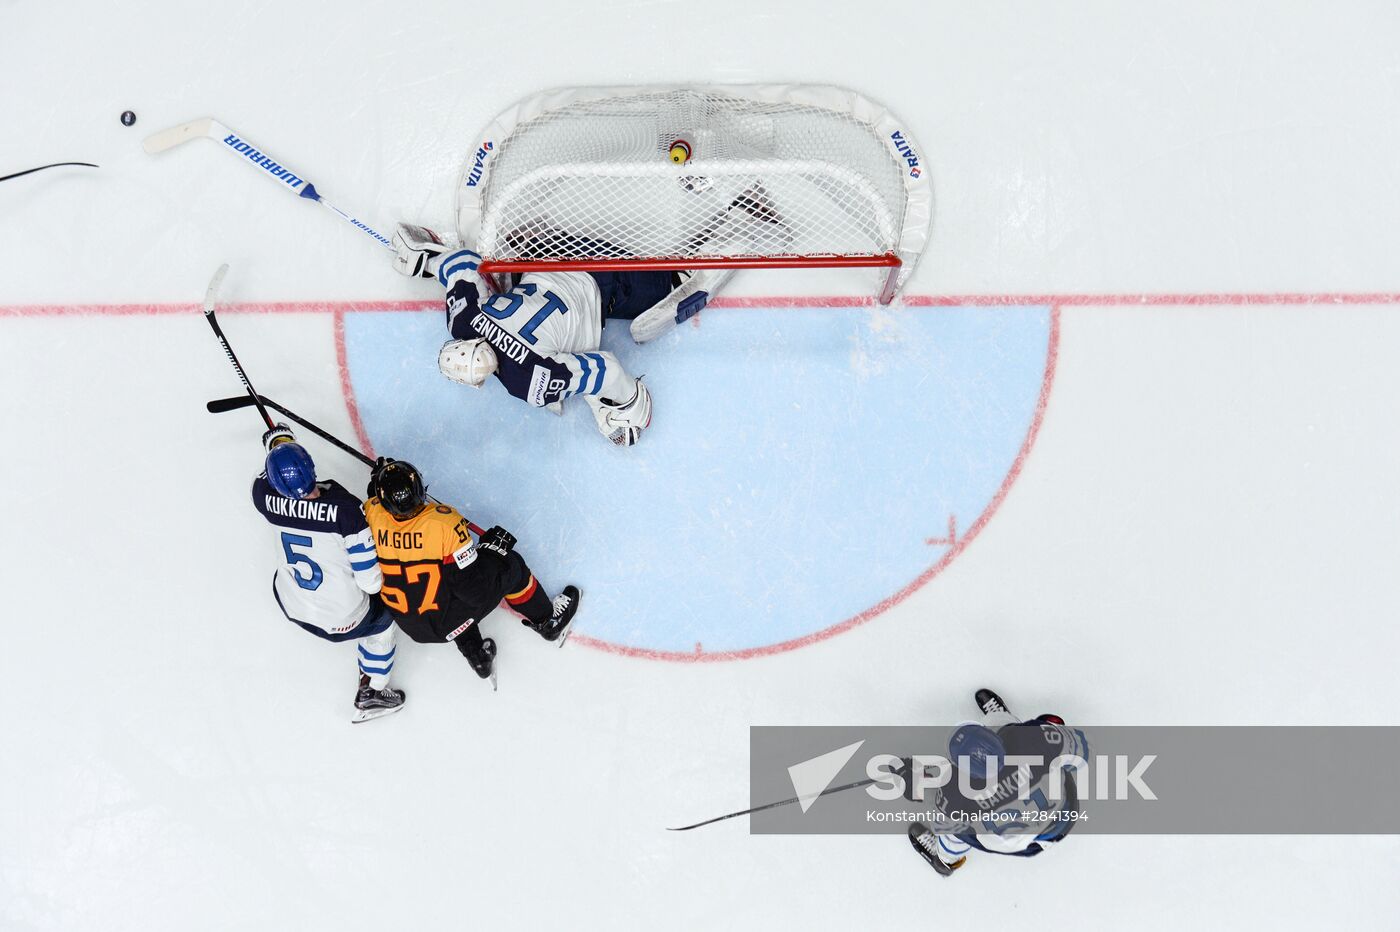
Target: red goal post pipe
(679, 263)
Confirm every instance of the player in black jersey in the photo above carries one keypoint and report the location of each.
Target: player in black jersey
(439, 583)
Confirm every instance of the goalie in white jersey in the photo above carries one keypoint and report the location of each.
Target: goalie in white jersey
(328, 577)
(540, 339)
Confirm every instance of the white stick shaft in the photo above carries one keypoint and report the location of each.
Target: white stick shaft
(211, 294)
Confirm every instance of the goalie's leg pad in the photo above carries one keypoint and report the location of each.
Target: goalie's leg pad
(683, 303)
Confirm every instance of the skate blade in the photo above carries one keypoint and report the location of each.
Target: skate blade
(493, 680)
(369, 715)
(569, 628)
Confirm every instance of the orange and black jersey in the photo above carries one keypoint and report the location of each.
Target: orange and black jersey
(435, 580)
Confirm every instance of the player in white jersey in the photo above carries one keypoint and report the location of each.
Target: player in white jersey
(540, 339)
(1024, 815)
(328, 579)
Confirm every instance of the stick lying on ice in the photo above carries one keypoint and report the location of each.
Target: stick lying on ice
(210, 128)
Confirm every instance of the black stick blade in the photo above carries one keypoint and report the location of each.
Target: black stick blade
(220, 405)
(30, 171)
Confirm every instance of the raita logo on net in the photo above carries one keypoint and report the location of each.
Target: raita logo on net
(907, 152)
(479, 165)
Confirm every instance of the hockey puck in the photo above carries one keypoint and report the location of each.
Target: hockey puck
(128, 118)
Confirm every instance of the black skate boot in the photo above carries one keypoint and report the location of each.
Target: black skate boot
(376, 703)
(926, 843)
(483, 660)
(565, 606)
(990, 702)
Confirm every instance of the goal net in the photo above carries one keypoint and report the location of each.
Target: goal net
(743, 176)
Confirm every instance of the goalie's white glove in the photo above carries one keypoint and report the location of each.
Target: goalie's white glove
(623, 423)
(417, 251)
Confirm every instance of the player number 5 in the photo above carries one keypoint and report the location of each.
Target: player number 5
(290, 540)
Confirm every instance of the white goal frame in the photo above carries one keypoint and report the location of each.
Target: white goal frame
(898, 224)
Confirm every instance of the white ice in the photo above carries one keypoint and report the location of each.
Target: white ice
(1204, 531)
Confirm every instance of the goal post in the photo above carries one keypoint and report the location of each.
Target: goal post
(682, 177)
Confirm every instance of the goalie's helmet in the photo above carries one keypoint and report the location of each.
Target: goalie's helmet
(290, 470)
(975, 743)
(399, 486)
(470, 362)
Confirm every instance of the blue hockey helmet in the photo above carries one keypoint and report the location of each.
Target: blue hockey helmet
(290, 470)
(976, 743)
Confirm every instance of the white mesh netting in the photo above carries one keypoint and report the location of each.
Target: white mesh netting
(594, 179)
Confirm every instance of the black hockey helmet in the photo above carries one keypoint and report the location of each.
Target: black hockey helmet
(400, 489)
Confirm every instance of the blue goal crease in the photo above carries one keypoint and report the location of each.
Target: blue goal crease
(798, 465)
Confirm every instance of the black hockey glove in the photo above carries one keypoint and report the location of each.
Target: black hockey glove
(498, 540)
(374, 472)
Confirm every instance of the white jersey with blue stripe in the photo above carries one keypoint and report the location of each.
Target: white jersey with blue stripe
(1026, 806)
(327, 565)
(545, 331)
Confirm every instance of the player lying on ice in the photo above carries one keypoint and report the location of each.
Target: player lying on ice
(328, 579)
(541, 338)
(1000, 734)
(439, 584)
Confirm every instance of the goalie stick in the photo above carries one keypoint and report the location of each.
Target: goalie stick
(210, 128)
(30, 171)
(221, 405)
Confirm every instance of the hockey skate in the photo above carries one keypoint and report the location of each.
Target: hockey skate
(926, 843)
(483, 661)
(376, 703)
(990, 702)
(557, 628)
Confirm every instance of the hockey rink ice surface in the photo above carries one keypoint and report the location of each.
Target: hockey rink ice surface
(1127, 453)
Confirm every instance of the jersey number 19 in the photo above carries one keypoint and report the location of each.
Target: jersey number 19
(505, 305)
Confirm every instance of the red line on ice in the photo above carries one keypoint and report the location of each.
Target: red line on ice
(1203, 299)
(952, 537)
(1052, 353)
(244, 307)
(346, 387)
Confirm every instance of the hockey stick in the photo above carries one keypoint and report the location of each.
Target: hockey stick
(784, 802)
(210, 297)
(221, 405)
(210, 128)
(30, 171)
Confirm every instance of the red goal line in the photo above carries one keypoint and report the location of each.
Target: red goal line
(1181, 299)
